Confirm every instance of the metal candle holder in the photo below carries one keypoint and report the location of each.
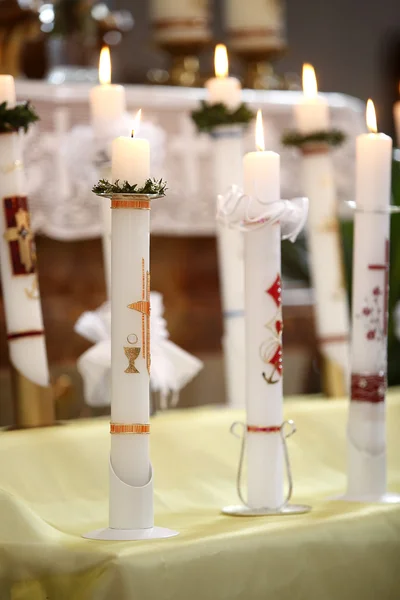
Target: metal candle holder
(244, 510)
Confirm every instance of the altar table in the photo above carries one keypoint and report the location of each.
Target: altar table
(59, 155)
(54, 488)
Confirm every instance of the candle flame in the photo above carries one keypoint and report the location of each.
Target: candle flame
(260, 145)
(105, 66)
(310, 87)
(137, 120)
(371, 117)
(221, 64)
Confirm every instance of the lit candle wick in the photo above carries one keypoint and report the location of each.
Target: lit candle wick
(132, 133)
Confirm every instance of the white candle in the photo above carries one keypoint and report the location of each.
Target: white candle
(318, 184)
(255, 25)
(107, 101)
(221, 88)
(396, 117)
(7, 90)
(312, 111)
(130, 316)
(130, 160)
(264, 395)
(228, 171)
(367, 439)
(23, 311)
(180, 21)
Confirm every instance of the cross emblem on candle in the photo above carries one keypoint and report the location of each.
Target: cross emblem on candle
(143, 306)
(385, 268)
(19, 235)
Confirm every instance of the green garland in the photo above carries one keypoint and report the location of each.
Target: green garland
(331, 137)
(151, 186)
(20, 116)
(210, 116)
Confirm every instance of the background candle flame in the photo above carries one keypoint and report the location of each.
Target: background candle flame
(221, 64)
(105, 66)
(136, 124)
(260, 145)
(310, 87)
(371, 117)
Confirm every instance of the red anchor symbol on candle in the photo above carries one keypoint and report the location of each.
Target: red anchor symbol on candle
(271, 350)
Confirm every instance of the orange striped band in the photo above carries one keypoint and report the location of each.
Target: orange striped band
(314, 148)
(135, 428)
(138, 204)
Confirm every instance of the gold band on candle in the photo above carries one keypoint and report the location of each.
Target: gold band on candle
(132, 428)
(333, 339)
(138, 204)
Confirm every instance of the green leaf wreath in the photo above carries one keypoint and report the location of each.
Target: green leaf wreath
(210, 116)
(151, 186)
(20, 116)
(331, 137)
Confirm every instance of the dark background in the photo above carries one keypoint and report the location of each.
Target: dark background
(353, 44)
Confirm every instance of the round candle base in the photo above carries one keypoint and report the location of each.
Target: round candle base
(245, 511)
(108, 534)
(387, 498)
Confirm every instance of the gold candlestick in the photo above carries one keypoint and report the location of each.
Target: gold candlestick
(33, 404)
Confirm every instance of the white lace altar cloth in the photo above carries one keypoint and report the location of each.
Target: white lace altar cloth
(60, 171)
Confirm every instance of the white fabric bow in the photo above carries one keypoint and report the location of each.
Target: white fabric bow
(171, 367)
(239, 211)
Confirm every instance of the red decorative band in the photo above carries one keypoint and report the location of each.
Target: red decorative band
(181, 23)
(256, 429)
(368, 388)
(138, 204)
(245, 32)
(135, 428)
(333, 339)
(22, 334)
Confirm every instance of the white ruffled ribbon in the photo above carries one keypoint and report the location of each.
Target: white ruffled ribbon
(171, 367)
(246, 213)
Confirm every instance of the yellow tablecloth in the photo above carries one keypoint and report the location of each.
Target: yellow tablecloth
(54, 488)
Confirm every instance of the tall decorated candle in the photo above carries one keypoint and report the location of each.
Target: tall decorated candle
(227, 145)
(366, 429)
(263, 301)
(265, 219)
(130, 313)
(318, 184)
(23, 311)
(131, 476)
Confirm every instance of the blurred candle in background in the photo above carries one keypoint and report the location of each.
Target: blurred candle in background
(222, 88)
(180, 22)
(107, 100)
(312, 110)
(323, 238)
